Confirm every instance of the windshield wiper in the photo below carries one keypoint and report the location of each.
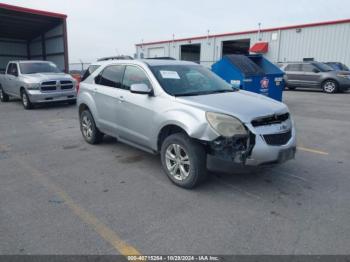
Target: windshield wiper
(204, 93)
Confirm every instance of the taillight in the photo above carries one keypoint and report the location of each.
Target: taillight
(78, 87)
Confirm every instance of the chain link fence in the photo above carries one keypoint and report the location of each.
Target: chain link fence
(78, 67)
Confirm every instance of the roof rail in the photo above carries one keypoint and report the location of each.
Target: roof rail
(120, 57)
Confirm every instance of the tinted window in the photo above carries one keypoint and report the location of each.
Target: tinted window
(13, 70)
(38, 67)
(308, 68)
(323, 67)
(111, 76)
(293, 67)
(9, 68)
(134, 75)
(89, 71)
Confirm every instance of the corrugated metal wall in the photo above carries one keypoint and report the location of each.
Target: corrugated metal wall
(13, 50)
(17, 50)
(323, 43)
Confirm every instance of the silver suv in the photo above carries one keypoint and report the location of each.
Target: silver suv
(184, 112)
(315, 75)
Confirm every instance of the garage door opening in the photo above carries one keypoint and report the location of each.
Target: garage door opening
(236, 47)
(191, 53)
(28, 34)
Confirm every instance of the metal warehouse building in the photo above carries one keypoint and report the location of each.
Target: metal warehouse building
(28, 34)
(325, 42)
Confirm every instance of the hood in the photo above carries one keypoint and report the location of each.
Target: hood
(41, 77)
(243, 105)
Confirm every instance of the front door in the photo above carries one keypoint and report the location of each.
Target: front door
(311, 75)
(137, 109)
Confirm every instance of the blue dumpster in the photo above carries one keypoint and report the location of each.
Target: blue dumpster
(252, 73)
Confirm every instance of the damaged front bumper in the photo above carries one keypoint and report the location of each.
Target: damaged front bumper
(261, 147)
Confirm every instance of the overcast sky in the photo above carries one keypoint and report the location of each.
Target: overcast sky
(110, 27)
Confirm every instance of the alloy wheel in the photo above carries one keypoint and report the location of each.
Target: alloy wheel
(87, 127)
(177, 162)
(24, 99)
(329, 87)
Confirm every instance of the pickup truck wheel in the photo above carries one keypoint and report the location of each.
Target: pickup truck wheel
(184, 160)
(25, 101)
(330, 86)
(3, 97)
(88, 128)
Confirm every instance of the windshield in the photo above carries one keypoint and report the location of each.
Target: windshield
(38, 67)
(323, 67)
(189, 80)
(338, 66)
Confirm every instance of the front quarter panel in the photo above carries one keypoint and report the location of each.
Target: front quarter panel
(190, 119)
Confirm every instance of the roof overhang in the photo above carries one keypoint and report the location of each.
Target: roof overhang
(24, 23)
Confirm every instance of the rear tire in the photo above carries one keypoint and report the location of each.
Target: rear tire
(291, 88)
(25, 100)
(184, 160)
(89, 129)
(3, 96)
(330, 86)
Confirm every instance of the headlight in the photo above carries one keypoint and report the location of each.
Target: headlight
(33, 86)
(343, 76)
(226, 126)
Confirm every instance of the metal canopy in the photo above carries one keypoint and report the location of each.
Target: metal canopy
(16, 24)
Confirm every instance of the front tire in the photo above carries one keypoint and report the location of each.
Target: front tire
(88, 128)
(25, 101)
(3, 96)
(184, 160)
(330, 86)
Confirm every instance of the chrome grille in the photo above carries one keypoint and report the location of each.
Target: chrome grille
(65, 84)
(57, 85)
(48, 86)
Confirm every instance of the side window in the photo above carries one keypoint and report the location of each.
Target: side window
(14, 70)
(293, 67)
(111, 76)
(9, 69)
(134, 75)
(308, 68)
(89, 71)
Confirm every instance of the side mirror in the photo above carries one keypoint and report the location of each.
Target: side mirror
(315, 70)
(140, 89)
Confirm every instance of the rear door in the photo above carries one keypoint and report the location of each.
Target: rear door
(293, 74)
(107, 98)
(311, 75)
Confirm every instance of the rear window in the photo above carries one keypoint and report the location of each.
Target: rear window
(293, 67)
(89, 71)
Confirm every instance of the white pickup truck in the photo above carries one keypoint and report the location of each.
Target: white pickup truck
(36, 82)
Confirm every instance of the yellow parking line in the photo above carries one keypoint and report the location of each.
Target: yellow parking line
(103, 230)
(310, 150)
